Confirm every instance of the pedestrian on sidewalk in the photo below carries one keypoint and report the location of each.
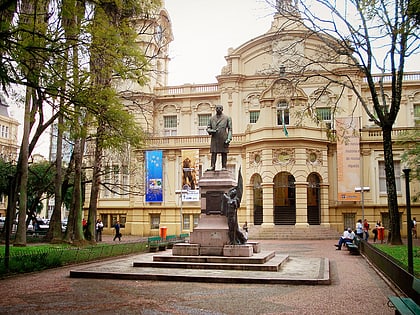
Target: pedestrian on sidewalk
(117, 231)
(359, 228)
(414, 227)
(366, 230)
(98, 228)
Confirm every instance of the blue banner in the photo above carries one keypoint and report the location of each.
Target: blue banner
(154, 189)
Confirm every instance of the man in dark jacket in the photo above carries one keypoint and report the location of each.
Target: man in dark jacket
(220, 129)
(117, 231)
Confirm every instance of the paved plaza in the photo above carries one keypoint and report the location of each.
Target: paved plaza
(355, 287)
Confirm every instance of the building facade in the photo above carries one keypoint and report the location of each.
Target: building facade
(8, 142)
(308, 153)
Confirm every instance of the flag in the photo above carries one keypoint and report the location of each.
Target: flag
(286, 133)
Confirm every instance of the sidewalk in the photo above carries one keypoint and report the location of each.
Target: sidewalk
(355, 288)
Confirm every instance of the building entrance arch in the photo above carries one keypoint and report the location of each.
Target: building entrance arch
(284, 196)
(313, 199)
(257, 194)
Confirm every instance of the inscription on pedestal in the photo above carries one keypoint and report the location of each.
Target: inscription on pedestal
(214, 202)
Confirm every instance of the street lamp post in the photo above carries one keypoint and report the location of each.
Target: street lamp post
(409, 235)
(362, 191)
(181, 193)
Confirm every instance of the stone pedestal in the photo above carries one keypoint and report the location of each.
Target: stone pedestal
(213, 184)
(237, 250)
(211, 236)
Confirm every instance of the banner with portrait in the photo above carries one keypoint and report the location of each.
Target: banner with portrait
(348, 158)
(190, 170)
(154, 175)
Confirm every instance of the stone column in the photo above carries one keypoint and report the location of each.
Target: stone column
(325, 207)
(301, 204)
(268, 205)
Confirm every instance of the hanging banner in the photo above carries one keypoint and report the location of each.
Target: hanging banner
(348, 158)
(154, 188)
(190, 173)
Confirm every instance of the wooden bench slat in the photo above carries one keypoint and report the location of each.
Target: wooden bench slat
(405, 305)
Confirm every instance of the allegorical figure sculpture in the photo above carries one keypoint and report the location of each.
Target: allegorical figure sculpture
(220, 129)
(230, 204)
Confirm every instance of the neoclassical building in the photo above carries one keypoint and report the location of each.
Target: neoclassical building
(8, 141)
(311, 160)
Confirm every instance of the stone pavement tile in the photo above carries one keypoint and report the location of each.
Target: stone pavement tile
(355, 288)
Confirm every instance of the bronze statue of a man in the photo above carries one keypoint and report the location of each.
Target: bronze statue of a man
(220, 129)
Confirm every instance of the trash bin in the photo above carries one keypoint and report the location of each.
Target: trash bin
(162, 232)
(381, 230)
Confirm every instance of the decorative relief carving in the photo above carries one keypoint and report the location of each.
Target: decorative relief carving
(313, 157)
(226, 70)
(284, 156)
(255, 158)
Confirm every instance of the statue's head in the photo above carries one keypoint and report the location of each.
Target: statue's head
(219, 109)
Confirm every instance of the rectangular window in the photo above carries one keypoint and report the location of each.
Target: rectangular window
(4, 131)
(196, 218)
(114, 219)
(382, 176)
(123, 220)
(104, 218)
(125, 179)
(282, 114)
(115, 181)
(417, 115)
(253, 116)
(324, 114)
(203, 121)
(154, 221)
(107, 179)
(349, 220)
(170, 125)
(185, 221)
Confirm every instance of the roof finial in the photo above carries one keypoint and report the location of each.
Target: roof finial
(285, 6)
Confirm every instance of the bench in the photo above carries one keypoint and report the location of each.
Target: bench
(354, 247)
(183, 236)
(156, 243)
(38, 233)
(405, 305)
(171, 239)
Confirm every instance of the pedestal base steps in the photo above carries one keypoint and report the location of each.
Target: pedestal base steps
(188, 249)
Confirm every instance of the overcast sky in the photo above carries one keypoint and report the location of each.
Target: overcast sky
(204, 30)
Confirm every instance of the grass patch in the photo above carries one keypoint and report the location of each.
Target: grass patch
(400, 255)
(45, 256)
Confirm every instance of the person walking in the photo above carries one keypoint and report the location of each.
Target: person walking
(375, 231)
(366, 230)
(414, 227)
(98, 228)
(117, 231)
(359, 228)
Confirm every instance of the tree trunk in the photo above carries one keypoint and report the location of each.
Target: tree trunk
(55, 233)
(20, 239)
(394, 236)
(94, 192)
(74, 232)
